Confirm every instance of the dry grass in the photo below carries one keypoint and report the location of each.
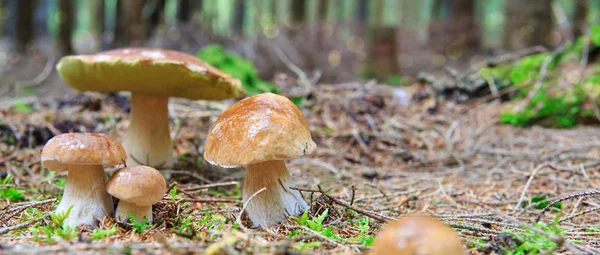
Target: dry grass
(383, 158)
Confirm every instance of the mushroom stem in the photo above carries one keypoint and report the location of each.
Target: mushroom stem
(137, 211)
(278, 201)
(148, 139)
(85, 192)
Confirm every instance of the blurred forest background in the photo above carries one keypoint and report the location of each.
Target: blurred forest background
(343, 40)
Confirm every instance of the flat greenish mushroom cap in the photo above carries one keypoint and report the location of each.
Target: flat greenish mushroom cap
(147, 71)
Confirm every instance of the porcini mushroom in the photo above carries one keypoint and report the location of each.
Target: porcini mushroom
(152, 76)
(137, 188)
(423, 235)
(260, 132)
(83, 156)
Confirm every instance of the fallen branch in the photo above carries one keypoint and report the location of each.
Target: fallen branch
(213, 185)
(567, 197)
(204, 200)
(372, 215)
(544, 71)
(22, 225)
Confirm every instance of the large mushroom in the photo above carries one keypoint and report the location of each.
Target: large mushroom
(137, 188)
(260, 132)
(152, 76)
(83, 156)
(422, 235)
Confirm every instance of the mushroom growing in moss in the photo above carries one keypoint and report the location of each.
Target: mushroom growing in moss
(260, 132)
(423, 235)
(83, 156)
(152, 76)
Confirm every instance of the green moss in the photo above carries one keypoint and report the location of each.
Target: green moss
(555, 103)
(238, 67)
(560, 108)
(531, 242)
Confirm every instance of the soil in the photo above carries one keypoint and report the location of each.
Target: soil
(385, 151)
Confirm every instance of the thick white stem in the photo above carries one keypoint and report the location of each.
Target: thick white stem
(85, 192)
(139, 212)
(148, 139)
(277, 202)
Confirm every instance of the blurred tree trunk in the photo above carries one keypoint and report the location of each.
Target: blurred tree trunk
(580, 17)
(186, 9)
(297, 15)
(129, 29)
(527, 24)
(362, 11)
(135, 25)
(239, 11)
(275, 12)
(23, 25)
(462, 13)
(66, 22)
(3, 7)
(322, 7)
(156, 18)
(258, 14)
(118, 37)
(455, 30)
(382, 60)
(96, 11)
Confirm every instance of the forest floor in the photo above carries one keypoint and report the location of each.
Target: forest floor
(383, 152)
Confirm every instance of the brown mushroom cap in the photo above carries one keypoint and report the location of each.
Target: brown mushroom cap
(260, 128)
(140, 185)
(155, 72)
(418, 235)
(82, 149)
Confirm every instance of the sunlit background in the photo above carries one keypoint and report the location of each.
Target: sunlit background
(342, 39)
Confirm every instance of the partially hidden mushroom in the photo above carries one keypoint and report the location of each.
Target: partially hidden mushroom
(260, 132)
(423, 235)
(152, 76)
(137, 188)
(83, 155)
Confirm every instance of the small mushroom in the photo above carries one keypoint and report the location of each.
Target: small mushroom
(260, 132)
(83, 156)
(152, 76)
(137, 188)
(423, 235)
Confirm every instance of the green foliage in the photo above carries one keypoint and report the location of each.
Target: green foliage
(395, 80)
(56, 227)
(527, 70)
(60, 182)
(555, 104)
(364, 238)
(595, 35)
(173, 192)
(316, 224)
(22, 107)
(541, 202)
(102, 233)
(10, 193)
(237, 67)
(184, 224)
(139, 227)
(531, 242)
(560, 108)
(303, 246)
(476, 243)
